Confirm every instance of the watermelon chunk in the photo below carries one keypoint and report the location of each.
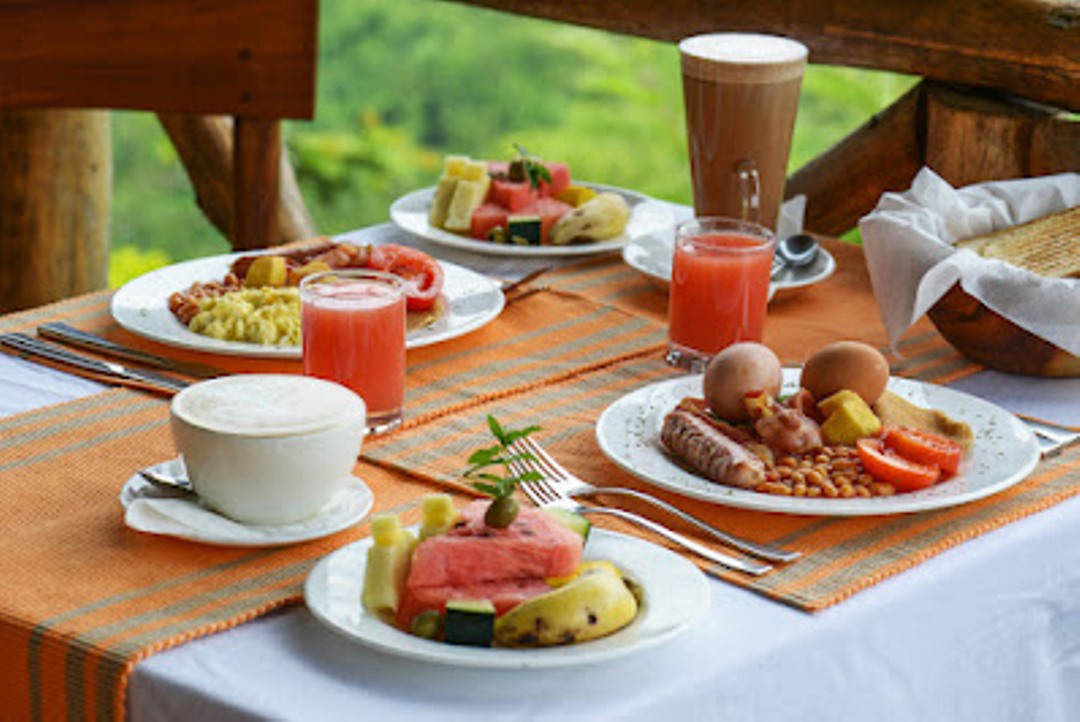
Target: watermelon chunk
(535, 546)
(505, 595)
(513, 195)
(489, 215)
(560, 176)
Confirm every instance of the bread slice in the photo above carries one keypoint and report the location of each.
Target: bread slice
(1048, 246)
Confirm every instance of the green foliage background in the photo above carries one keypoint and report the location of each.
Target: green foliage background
(402, 83)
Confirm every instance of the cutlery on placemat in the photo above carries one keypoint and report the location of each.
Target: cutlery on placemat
(546, 494)
(38, 350)
(508, 286)
(82, 339)
(1052, 438)
(570, 485)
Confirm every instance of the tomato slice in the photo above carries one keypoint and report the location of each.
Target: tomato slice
(422, 274)
(885, 464)
(925, 448)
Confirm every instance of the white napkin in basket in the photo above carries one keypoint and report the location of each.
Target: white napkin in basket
(908, 241)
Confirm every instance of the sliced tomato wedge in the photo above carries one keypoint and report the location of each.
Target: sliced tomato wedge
(422, 274)
(885, 464)
(925, 448)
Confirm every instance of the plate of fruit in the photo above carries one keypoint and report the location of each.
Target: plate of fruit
(546, 591)
(526, 207)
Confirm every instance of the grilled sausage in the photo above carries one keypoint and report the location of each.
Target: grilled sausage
(710, 452)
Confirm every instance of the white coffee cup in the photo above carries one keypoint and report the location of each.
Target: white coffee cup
(268, 448)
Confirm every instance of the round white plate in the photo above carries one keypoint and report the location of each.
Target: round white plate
(651, 255)
(675, 592)
(1004, 453)
(141, 306)
(410, 212)
(185, 516)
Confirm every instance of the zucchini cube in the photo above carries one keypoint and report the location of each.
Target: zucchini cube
(523, 230)
(469, 622)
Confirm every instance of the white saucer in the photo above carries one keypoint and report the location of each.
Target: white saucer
(155, 510)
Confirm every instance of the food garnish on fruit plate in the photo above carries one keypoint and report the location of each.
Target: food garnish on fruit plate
(525, 202)
(841, 435)
(491, 573)
(258, 300)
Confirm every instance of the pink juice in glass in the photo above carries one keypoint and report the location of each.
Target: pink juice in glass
(719, 290)
(353, 328)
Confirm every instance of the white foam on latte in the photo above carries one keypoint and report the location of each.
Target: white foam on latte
(267, 404)
(742, 57)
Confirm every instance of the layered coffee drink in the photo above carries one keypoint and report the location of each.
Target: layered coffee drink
(742, 93)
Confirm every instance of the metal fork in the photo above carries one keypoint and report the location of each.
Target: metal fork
(572, 486)
(543, 494)
(1051, 438)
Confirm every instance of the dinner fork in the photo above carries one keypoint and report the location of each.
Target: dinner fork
(572, 486)
(1051, 437)
(544, 494)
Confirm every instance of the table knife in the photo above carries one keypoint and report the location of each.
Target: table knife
(37, 349)
(83, 339)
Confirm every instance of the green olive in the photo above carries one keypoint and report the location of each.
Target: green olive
(501, 512)
(428, 624)
(518, 170)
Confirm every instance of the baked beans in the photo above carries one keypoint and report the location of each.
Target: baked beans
(833, 472)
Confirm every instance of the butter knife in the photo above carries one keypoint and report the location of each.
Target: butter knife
(82, 339)
(36, 349)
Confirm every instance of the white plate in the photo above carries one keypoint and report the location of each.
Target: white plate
(652, 256)
(675, 591)
(410, 212)
(185, 516)
(141, 306)
(1004, 452)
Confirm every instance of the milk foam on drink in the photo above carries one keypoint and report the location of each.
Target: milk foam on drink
(267, 404)
(741, 92)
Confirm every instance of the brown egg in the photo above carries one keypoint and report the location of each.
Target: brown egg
(846, 365)
(738, 370)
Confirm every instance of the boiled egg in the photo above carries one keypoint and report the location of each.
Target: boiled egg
(846, 365)
(740, 369)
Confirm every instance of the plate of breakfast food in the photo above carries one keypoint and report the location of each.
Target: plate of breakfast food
(248, 304)
(526, 207)
(545, 590)
(836, 437)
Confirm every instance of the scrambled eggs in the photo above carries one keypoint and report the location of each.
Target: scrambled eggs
(269, 316)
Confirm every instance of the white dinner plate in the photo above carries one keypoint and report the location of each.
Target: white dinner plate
(1004, 453)
(651, 255)
(186, 516)
(471, 300)
(410, 212)
(675, 595)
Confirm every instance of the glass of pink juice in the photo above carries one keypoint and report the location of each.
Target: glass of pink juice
(719, 287)
(353, 328)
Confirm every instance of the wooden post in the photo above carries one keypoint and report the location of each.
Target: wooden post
(256, 174)
(55, 192)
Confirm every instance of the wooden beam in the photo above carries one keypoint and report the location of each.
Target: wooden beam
(177, 56)
(1027, 48)
(256, 174)
(54, 205)
(846, 182)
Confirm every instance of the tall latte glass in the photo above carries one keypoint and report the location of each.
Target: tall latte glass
(742, 94)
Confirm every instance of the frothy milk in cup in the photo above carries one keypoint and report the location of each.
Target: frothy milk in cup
(268, 448)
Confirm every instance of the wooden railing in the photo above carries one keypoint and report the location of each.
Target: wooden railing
(998, 78)
(222, 74)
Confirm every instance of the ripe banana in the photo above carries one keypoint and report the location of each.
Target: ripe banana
(598, 219)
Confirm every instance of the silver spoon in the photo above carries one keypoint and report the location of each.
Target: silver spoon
(797, 251)
(166, 481)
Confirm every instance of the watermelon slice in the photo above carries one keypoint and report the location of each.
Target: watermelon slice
(505, 595)
(560, 178)
(534, 546)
